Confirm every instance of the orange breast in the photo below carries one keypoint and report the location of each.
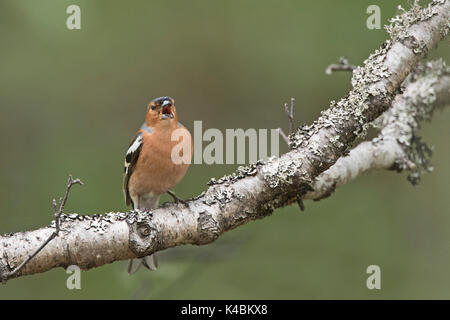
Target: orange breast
(155, 171)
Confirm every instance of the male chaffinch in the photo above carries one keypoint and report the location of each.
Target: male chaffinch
(149, 168)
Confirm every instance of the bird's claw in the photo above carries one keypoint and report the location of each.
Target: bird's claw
(177, 199)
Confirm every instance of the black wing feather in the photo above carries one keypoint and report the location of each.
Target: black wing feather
(131, 158)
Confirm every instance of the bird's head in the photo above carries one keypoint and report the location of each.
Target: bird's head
(161, 111)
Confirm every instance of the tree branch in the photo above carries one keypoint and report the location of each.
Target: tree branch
(426, 89)
(343, 65)
(252, 192)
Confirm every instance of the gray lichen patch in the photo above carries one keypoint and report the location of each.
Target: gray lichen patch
(241, 172)
(419, 154)
(277, 173)
(411, 108)
(138, 216)
(97, 222)
(398, 26)
(221, 195)
(421, 108)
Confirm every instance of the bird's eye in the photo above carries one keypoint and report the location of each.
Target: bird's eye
(153, 107)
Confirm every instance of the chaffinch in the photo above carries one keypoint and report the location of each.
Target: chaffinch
(149, 167)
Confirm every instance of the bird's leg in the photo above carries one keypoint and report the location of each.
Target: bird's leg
(177, 199)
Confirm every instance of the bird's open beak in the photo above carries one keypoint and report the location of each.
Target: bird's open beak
(166, 110)
(166, 103)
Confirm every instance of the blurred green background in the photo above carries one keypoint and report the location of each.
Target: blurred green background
(70, 102)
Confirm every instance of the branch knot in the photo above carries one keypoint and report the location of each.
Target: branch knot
(142, 233)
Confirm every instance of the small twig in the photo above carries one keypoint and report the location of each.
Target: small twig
(289, 109)
(300, 203)
(283, 135)
(63, 202)
(343, 65)
(57, 213)
(290, 114)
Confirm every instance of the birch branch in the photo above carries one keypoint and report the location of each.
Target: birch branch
(397, 146)
(253, 192)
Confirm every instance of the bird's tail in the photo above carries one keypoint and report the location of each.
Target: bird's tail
(151, 261)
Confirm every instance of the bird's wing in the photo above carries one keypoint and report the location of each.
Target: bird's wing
(130, 162)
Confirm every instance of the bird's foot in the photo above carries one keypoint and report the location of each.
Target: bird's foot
(177, 199)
